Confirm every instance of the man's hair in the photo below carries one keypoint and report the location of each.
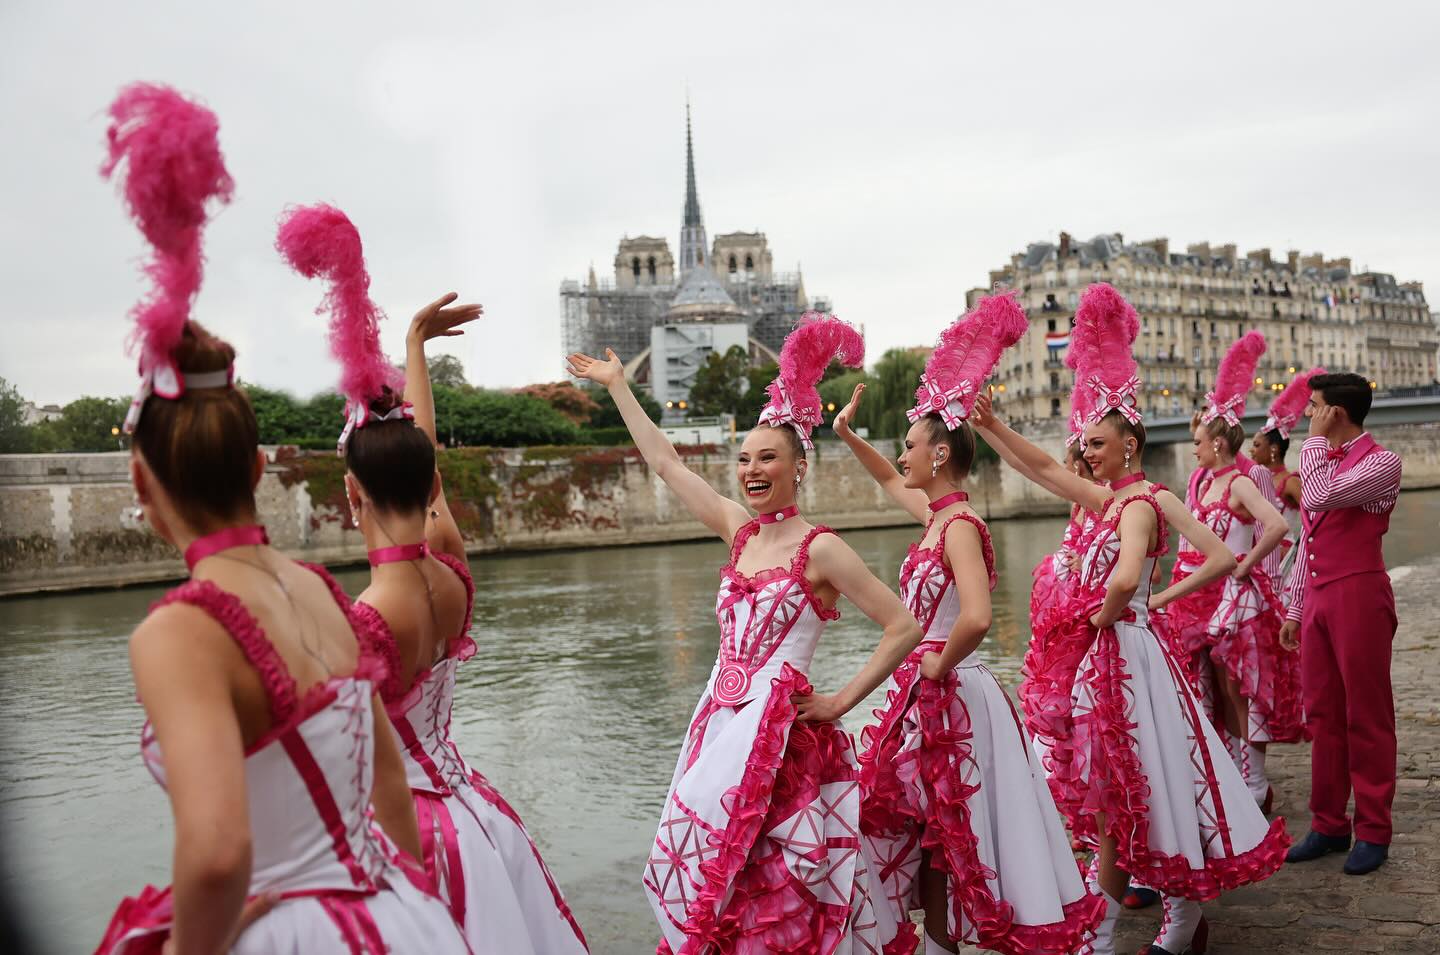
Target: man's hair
(1345, 390)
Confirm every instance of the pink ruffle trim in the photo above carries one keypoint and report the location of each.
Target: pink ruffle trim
(946, 829)
(1268, 675)
(150, 913)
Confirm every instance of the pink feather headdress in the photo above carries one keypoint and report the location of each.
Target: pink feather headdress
(320, 240)
(808, 350)
(1289, 405)
(1101, 353)
(167, 151)
(1232, 381)
(965, 357)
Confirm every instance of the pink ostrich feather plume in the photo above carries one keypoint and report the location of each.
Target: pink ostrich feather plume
(817, 340)
(1237, 369)
(1101, 346)
(321, 241)
(969, 350)
(165, 150)
(1289, 405)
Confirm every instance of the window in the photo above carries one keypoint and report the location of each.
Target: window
(1050, 324)
(1054, 407)
(749, 264)
(734, 266)
(650, 267)
(1074, 299)
(635, 266)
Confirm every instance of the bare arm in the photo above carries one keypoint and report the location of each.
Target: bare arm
(1218, 559)
(913, 500)
(710, 507)
(965, 554)
(394, 805)
(1137, 527)
(435, 320)
(178, 658)
(1034, 463)
(1244, 492)
(839, 566)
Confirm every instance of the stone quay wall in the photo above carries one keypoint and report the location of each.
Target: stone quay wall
(60, 522)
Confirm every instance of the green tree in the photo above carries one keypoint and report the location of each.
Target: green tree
(891, 391)
(15, 435)
(606, 415)
(479, 417)
(446, 371)
(277, 414)
(837, 390)
(757, 379)
(91, 424)
(720, 384)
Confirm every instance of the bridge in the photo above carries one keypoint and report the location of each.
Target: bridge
(1415, 406)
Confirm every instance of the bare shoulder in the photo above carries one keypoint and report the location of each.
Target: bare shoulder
(827, 548)
(182, 640)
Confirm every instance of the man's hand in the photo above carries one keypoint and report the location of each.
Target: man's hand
(1290, 635)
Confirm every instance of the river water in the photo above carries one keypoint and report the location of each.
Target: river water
(589, 667)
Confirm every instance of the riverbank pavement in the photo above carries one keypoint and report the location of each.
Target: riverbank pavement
(1315, 906)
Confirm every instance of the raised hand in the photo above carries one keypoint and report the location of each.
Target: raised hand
(983, 415)
(1323, 421)
(841, 424)
(440, 319)
(604, 373)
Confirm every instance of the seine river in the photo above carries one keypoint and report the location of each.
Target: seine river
(589, 667)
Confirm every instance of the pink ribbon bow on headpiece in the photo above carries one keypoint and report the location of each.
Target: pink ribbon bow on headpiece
(1282, 424)
(1077, 428)
(358, 415)
(1120, 399)
(165, 380)
(1229, 410)
(801, 419)
(948, 403)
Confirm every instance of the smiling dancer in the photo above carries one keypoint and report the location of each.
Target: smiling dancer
(758, 846)
(1269, 448)
(1227, 633)
(1139, 767)
(263, 725)
(416, 609)
(958, 808)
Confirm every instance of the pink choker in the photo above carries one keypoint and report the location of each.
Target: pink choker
(1225, 470)
(1127, 480)
(784, 514)
(939, 504)
(390, 555)
(251, 536)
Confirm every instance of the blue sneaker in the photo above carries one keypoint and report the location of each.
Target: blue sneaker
(1366, 857)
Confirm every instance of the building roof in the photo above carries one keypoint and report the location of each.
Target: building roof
(700, 291)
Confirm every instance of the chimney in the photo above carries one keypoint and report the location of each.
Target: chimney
(1202, 249)
(1227, 251)
(1293, 256)
(1064, 245)
(1263, 255)
(1313, 261)
(1161, 247)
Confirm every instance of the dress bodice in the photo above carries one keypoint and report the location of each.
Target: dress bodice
(1100, 550)
(927, 584)
(421, 711)
(766, 621)
(1220, 516)
(309, 779)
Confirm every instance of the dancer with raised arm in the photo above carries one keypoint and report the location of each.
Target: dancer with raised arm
(1055, 571)
(263, 724)
(1341, 616)
(416, 609)
(958, 808)
(1227, 634)
(1269, 447)
(1136, 765)
(758, 848)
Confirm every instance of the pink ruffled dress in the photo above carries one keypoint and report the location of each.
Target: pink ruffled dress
(1128, 738)
(948, 770)
(1053, 572)
(308, 782)
(1235, 624)
(476, 849)
(759, 848)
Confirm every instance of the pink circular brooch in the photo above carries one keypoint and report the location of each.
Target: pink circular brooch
(731, 684)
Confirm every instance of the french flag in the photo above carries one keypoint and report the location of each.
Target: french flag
(1057, 339)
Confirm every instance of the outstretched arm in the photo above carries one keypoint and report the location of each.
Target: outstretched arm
(840, 567)
(913, 500)
(710, 507)
(1244, 492)
(1218, 559)
(435, 320)
(1034, 463)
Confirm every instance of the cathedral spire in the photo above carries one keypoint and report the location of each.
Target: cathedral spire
(692, 227)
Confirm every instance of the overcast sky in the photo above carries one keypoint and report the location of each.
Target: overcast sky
(498, 148)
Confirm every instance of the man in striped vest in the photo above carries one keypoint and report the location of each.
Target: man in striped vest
(1342, 617)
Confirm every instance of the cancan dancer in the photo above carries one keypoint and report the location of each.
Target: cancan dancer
(1269, 447)
(1139, 768)
(1341, 614)
(952, 797)
(1227, 633)
(263, 723)
(416, 609)
(759, 845)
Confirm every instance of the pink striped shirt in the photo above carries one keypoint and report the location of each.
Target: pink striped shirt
(1372, 484)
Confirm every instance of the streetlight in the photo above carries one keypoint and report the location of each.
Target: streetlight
(683, 406)
(830, 406)
(115, 433)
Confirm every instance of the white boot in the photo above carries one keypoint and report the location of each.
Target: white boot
(1255, 777)
(1182, 918)
(1104, 941)
(933, 947)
